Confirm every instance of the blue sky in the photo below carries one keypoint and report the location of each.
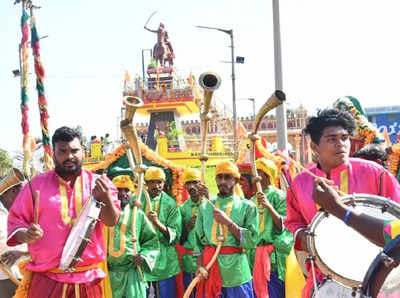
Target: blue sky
(330, 49)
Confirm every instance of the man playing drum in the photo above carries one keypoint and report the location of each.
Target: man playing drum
(8, 192)
(189, 210)
(63, 192)
(382, 277)
(166, 220)
(274, 240)
(330, 133)
(230, 275)
(122, 261)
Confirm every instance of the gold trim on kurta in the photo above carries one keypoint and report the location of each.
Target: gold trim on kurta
(122, 236)
(214, 236)
(156, 209)
(344, 181)
(261, 226)
(77, 196)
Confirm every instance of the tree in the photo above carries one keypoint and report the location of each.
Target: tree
(6, 163)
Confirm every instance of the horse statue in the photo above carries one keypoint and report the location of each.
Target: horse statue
(162, 51)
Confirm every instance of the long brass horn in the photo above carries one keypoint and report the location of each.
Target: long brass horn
(132, 103)
(210, 82)
(13, 178)
(276, 99)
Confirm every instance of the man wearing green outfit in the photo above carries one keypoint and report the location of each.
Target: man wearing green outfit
(122, 261)
(274, 240)
(189, 210)
(166, 219)
(230, 275)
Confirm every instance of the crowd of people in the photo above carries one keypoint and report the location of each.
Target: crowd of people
(105, 145)
(232, 246)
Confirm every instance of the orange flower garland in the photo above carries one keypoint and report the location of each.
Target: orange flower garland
(394, 159)
(364, 128)
(177, 171)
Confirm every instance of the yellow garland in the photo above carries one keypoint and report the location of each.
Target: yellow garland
(394, 159)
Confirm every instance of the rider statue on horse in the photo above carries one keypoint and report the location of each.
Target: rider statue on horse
(162, 51)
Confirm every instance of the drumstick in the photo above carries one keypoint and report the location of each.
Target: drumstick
(36, 214)
(311, 173)
(9, 274)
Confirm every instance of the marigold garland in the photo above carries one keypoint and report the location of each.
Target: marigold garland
(177, 171)
(393, 159)
(364, 128)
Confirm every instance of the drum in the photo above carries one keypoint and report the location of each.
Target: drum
(331, 289)
(383, 276)
(80, 234)
(340, 252)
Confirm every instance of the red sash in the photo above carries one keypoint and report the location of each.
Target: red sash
(212, 286)
(262, 270)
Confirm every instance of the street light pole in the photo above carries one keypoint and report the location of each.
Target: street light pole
(281, 123)
(235, 140)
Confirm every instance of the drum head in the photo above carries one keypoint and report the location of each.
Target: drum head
(391, 285)
(383, 278)
(340, 251)
(71, 249)
(332, 289)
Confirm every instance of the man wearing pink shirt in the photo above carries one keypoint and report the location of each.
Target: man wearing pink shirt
(330, 133)
(63, 192)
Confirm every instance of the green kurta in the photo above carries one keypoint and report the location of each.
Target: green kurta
(234, 268)
(167, 264)
(270, 234)
(188, 209)
(124, 276)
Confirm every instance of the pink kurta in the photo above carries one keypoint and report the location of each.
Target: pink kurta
(354, 176)
(46, 252)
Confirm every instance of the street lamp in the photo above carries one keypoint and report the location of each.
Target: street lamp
(235, 141)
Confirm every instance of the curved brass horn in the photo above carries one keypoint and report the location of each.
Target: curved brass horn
(131, 104)
(127, 127)
(209, 81)
(276, 99)
(13, 178)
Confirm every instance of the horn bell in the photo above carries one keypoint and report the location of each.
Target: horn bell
(210, 82)
(15, 177)
(131, 104)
